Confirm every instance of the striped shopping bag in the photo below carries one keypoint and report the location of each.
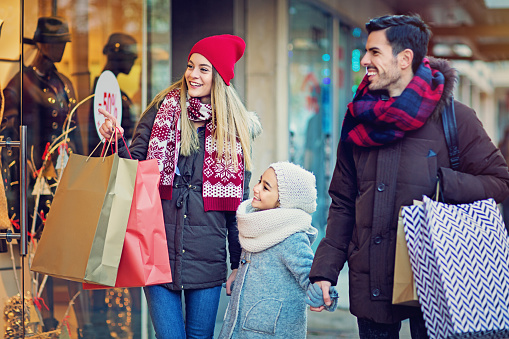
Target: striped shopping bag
(459, 256)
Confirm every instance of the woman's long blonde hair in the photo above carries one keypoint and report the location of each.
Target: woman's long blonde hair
(229, 116)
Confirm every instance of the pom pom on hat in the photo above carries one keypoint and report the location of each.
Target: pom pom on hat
(296, 186)
(223, 51)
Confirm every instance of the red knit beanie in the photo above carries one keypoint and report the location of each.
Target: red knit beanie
(223, 51)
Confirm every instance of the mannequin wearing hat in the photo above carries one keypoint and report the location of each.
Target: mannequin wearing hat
(200, 132)
(48, 98)
(121, 52)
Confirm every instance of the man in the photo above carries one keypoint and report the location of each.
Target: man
(392, 151)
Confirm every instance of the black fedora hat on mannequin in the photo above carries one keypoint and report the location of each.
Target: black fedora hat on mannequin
(52, 30)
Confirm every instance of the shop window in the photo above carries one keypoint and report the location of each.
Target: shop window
(67, 44)
(310, 103)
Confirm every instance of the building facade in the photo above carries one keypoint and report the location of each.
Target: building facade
(300, 69)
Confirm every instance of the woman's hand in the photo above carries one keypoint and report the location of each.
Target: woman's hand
(230, 281)
(107, 128)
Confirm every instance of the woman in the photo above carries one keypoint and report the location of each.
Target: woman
(204, 159)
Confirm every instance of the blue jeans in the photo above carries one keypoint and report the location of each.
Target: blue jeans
(165, 307)
(371, 330)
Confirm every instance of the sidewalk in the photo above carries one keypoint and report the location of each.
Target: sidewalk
(327, 325)
(339, 324)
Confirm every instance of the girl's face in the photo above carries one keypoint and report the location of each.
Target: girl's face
(199, 77)
(266, 194)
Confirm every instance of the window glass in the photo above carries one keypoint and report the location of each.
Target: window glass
(67, 45)
(310, 102)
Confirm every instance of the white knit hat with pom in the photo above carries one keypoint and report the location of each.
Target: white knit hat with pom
(296, 186)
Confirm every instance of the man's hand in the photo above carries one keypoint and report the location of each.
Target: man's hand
(324, 286)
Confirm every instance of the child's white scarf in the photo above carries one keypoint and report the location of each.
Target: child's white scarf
(261, 229)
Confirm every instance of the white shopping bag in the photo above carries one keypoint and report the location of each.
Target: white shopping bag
(459, 256)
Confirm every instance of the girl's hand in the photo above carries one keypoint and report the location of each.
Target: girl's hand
(107, 128)
(230, 281)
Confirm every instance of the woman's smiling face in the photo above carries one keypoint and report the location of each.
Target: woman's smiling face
(198, 76)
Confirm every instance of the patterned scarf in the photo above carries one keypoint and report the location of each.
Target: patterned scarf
(375, 120)
(222, 185)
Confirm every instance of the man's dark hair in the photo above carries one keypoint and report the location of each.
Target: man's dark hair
(404, 31)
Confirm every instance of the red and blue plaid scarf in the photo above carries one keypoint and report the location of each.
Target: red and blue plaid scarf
(372, 121)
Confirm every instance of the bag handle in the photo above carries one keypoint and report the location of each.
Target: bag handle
(451, 134)
(105, 148)
(117, 130)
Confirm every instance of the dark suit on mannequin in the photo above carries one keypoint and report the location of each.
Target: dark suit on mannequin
(48, 99)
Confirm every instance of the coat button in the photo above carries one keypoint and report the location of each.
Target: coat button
(376, 292)
(378, 239)
(185, 216)
(183, 251)
(381, 187)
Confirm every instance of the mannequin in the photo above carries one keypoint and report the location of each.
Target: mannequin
(48, 98)
(121, 53)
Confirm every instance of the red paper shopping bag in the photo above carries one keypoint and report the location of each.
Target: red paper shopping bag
(144, 259)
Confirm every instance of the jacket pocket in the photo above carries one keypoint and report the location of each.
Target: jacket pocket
(263, 316)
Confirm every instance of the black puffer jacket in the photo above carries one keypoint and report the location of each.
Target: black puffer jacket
(196, 239)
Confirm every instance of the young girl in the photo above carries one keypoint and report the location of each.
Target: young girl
(275, 232)
(200, 132)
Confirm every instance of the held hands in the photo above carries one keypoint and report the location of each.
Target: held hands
(321, 295)
(107, 128)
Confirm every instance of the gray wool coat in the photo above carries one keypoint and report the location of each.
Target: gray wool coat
(268, 297)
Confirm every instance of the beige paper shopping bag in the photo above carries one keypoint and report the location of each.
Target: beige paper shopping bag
(404, 290)
(85, 228)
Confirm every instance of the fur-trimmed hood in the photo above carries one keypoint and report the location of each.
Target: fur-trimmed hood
(451, 76)
(254, 124)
